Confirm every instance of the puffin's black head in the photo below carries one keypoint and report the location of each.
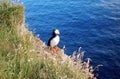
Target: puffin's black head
(56, 32)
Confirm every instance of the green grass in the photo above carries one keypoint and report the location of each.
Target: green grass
(23, 56)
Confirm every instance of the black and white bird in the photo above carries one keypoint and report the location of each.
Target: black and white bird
(55, 39)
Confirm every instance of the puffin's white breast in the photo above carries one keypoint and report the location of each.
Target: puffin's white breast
(54, 42)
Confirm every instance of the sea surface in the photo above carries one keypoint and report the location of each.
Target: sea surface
(93, 25)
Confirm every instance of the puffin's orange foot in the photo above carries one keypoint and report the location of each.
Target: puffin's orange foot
(55, 49)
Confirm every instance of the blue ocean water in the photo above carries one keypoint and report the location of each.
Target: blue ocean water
(93, 25)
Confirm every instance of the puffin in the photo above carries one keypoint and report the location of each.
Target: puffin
(54, 40)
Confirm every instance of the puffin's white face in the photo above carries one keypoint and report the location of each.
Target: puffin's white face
(56, 31)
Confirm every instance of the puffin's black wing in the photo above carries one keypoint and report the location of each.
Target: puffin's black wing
(48, 44)
(53, 35)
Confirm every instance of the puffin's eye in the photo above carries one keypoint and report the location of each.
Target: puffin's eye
(57, 31)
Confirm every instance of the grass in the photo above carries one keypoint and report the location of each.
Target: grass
(24, 56)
